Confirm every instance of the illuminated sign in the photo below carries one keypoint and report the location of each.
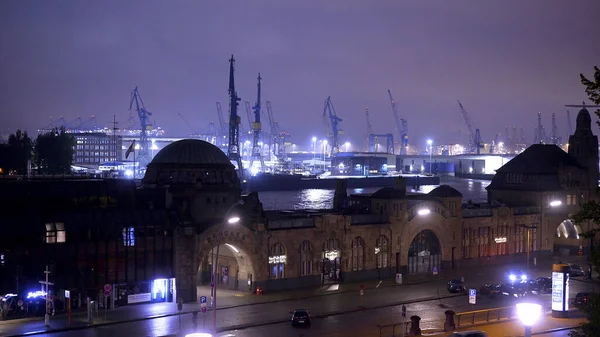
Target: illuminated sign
(500, 240)
(36, 294)
(331, 255)
(560, 291)
(277, 259)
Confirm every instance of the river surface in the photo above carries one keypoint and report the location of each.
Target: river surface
(472, 189)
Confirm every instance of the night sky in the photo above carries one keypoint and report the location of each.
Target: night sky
(505, 60)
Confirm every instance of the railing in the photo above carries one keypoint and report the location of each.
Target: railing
(484, 316)
(394, 327)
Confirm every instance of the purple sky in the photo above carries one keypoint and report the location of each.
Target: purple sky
(504, 60)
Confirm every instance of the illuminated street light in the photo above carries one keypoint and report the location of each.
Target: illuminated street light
(528, 313)
(430, 142)
(314, 142)
(555, 203)
(347, 146)
(424, 211)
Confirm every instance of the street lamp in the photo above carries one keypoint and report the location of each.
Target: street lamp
(230, 220)
(430, 142)
(528, 313)
(347, 146)
(324, 150)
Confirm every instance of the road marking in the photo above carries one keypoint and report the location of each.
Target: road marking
(378, 284)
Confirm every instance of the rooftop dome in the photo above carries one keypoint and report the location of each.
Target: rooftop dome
(190, 152)
(445, 191)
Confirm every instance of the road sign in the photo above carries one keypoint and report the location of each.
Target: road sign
(67, 294)
(106, 293)
(472, 296)
(203, 309)
(20, 303)
(107, 287)
(435, 271)
(202, 299)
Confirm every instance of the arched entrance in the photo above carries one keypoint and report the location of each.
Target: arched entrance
(331, 261)
(424, 253)
(234, 268)
(567, 240)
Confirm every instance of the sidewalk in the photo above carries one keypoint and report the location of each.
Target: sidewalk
(233, 299)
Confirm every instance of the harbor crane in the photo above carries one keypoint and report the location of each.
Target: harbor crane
(475, 143)
(540, 132)
(143, 157)
(369, 127)
(333, 123)
(401, 126)
(554, 133)
(278, 139)
(233, 148)
(222, 125)
(256, 132)
(373, 138)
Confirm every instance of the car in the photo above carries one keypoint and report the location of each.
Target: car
(575, 270)
(471, 333)
(456, 286)
(490, 289)
(300, 317)
(544, 284)
(581, 299)
(516, 275)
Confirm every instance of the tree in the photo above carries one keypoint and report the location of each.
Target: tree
(54, 152)
(590, 212)
(14, 155)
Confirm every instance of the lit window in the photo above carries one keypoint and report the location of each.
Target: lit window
(55, 232)
(128, 237)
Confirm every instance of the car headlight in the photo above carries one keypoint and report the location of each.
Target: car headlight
(523, 277)
(512, 277)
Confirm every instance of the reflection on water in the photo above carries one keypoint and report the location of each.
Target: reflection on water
(471, 189)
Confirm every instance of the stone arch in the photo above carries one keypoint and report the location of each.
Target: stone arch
(424, 253)
(427, 207)
(307, 257)
(568, 230)
(567, 239)
(357, 254)
(237, 262)
(331, 260)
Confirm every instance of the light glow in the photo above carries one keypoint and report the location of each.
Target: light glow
(529, 313)
(233, 219)
(233, 248)
(555, 203)
(424, 211)
(36, 294)
(159, 286)
(198, 334)
(331, 255)
(500, 240)
(277, 259)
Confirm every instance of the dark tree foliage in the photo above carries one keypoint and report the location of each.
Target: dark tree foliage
(590, 211)
(16, 153)
(54, 152)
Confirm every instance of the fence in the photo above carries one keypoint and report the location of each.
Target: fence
(484, 316)
(395, 329)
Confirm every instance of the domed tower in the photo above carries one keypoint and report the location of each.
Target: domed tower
(583, 146)
(199, 180)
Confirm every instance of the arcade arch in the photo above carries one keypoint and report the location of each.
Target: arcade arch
(234, 267)
(567, 239)
(568, 230)
(424, 253)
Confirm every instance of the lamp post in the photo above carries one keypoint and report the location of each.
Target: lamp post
(314, 143)
(430, 142)
(528, 313)
(230, 220)
(324, 150)
(347, 146)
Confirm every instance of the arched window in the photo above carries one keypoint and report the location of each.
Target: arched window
(358, 253)
(382, 251)
(424, 253)
(277, 261)
(306, 259)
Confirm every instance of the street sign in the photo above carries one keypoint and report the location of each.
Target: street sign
(202, 299)
(435, 271)
(67, 294)
(203, 309)
(106, 293)
(20, 303)
(107, 287)
(472, 296)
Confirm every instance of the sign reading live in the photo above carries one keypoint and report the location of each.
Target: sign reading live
(139, 298)
(237, 236)
(560, 292)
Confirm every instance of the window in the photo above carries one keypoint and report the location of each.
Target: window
(519, 240)
(55, 232)
(482, 242)
(128, 237)
(277, 260)
(381, 251)
(358, 253)
(306, 258)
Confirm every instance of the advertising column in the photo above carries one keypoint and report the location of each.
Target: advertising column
(560, 290)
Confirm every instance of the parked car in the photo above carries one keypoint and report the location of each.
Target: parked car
(516, 275)
(581, 299)
(456, 286)
(544, 284)
(471, 333)
(300, 317)
(575, 270)
(490, 289)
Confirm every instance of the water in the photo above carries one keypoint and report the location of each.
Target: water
(471, 189)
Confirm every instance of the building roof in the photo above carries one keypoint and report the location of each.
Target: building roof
(190, 152)
(539, 159)
(388, 193)
(445, 191)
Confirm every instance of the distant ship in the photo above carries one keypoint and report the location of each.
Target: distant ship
(289, 182)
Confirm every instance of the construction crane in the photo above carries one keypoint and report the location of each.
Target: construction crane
(554, 133)
(256, 131)
(222, 126)
(233, 149)
(143, 157)
(494, 144)
(540, 132)
(369, 127)
(401, 126)
(278, 139)
(475, 142)
(333, 123)
(248, 114)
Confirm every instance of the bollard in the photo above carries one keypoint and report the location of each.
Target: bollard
(449, 322)
(415, 330)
